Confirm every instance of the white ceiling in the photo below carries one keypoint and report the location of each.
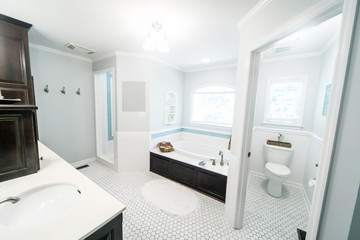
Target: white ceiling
(195, 29)
(307, 41)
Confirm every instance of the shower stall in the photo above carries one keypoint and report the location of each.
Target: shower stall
(105, 116)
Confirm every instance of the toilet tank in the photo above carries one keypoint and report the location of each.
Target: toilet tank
(279, 155)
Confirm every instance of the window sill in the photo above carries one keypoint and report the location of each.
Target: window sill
(212, 124)
(282, 125)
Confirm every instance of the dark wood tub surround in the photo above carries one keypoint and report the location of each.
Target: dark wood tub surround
(18, 123)
(198, 178)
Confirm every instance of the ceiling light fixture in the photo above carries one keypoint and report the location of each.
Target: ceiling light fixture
(156, 39)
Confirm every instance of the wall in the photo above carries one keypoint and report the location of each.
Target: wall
(287, 68)
(327, 70)
(165, 79)
(354, 233)
(194, 80)
(344, 177)
(66, 122)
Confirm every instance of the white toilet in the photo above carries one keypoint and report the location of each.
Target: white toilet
(277, 160)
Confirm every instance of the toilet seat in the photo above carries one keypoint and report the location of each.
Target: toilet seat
(278, 169)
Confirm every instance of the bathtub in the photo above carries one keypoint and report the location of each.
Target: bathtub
(200, 151)
(193, 153)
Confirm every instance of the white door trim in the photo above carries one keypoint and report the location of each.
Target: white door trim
(246, 91)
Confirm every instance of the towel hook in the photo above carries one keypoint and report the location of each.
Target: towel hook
(63, 90)
(46, 88)
(78, 92)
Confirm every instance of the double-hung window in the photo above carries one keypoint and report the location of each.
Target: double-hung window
(285, 101)
(213, 105)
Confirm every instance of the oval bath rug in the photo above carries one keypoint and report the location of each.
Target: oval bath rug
(171, 197)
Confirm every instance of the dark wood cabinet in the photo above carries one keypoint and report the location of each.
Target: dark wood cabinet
(18, 123)
(202, 180)
(110, 231)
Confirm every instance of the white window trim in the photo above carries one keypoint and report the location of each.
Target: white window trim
(298, 122)
(193, 92)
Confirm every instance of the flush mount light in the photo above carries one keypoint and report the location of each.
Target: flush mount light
(156, 40)
(205, 60)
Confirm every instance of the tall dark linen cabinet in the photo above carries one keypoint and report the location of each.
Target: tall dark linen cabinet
(18, 125)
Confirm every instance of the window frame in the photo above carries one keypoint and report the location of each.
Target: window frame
(193, 92)
(273, 121)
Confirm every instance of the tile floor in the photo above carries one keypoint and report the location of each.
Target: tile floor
(265, 217)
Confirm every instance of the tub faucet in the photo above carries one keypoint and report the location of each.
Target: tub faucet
(222, 158)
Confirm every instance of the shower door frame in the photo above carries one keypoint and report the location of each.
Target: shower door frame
(113, 165)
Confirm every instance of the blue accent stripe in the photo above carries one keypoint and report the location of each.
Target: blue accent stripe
(212, 134)
(156, 135)
(108, 100)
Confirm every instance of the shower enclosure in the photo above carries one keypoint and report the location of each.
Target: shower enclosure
(105, 116)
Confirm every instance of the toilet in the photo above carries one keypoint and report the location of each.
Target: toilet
(276, 167)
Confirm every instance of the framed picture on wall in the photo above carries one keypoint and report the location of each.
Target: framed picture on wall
(326, 99)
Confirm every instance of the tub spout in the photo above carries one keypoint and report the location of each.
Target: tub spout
(222, 158)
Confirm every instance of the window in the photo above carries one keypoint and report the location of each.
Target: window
(213, 105)
(285, 101)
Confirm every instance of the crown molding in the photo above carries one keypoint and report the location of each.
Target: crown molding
(253, 12)
(104, 56)
(58, 52)
(211, 68)
(145, 56)
(291, 57)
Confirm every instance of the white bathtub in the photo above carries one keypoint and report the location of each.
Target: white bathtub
(200, 151)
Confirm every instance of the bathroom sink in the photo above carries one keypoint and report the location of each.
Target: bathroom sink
(39, 205)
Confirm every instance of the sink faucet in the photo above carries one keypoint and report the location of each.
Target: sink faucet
(10, 199)
(222, 158)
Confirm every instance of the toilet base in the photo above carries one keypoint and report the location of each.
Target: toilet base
(274, 188)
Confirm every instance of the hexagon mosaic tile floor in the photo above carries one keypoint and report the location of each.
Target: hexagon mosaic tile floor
(265, 217)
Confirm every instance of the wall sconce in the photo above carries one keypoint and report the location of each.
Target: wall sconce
(63, 90)
(46, 88)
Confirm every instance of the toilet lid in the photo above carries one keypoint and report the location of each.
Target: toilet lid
(278, 169)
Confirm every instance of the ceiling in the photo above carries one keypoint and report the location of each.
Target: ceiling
(195, 29)
(307, 41)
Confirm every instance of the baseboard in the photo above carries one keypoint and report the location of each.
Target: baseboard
(289, 183)
(306, 198)
(83, 162)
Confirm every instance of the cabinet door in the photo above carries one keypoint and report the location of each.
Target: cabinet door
(18, 146)
(212, 184)
(110, 231)
(159, 165)
(183, 173)
(15, 63)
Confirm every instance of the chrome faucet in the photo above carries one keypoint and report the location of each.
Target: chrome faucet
(10, 199)
(222, 158)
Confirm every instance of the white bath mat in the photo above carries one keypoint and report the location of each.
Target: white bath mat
(170, 197)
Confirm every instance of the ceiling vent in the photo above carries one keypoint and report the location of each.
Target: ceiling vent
(282, 49)
(79, 48)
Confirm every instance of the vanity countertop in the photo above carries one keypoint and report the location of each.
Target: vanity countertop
(95, 208)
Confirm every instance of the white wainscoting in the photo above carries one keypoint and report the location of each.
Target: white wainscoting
(133, 151)
(307, 148)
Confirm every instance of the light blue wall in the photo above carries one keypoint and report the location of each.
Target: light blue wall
(327, 70)
(288, 68)
(165, 79)
(355, 223)
(344, 178)
(66, 122)
(103, 64)
(194, 80)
